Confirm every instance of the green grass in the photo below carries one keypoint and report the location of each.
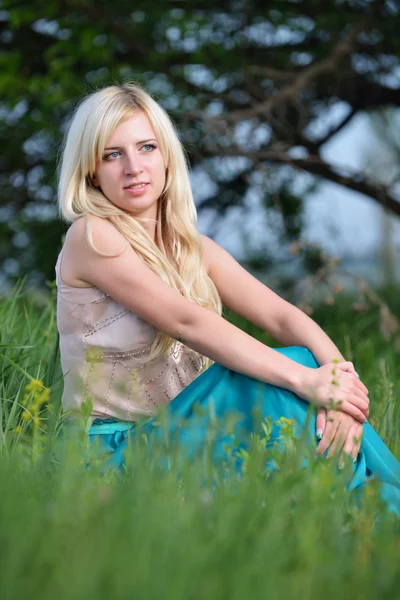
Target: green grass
(69, 532)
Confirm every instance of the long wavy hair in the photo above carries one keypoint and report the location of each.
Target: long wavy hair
(92, 123)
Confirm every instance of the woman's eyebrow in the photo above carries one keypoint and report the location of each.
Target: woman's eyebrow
(137, 144)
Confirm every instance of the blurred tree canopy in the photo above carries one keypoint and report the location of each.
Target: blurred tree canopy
(256, 88)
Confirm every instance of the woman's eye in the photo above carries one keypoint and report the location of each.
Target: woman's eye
(111, 155)
(148, 147)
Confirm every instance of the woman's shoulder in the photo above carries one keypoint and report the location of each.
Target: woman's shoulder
(88, 240)
(90, 230)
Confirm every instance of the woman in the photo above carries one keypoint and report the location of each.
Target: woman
(140, 294)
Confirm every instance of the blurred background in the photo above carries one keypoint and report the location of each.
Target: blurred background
(288, 111)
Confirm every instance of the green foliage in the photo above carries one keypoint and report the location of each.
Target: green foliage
(69, 529)
(77, 533)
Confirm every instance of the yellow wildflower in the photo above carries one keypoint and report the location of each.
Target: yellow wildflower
(284, 421)
(33, 408)
(43, 397)
(38, 392)
(35, 385)
(286, 427)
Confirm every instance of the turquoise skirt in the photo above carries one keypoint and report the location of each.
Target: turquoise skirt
(219, 392)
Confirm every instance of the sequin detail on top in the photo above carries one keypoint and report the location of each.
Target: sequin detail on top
(104, 349)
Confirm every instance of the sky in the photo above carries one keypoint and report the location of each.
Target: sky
(347, 222)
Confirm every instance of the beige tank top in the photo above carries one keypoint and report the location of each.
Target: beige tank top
(103, 348)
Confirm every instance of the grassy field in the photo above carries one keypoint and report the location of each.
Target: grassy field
(67, 532)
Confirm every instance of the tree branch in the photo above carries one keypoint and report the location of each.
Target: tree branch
(336, 129)
(314, 164)
(328, 65)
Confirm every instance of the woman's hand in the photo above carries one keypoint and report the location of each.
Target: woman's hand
(336, 386)
(338, 432)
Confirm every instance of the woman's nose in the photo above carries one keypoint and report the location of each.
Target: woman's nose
(132, 165)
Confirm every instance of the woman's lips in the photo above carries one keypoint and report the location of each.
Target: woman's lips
(137, 190)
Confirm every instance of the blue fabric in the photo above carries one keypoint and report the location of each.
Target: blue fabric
(217, 392)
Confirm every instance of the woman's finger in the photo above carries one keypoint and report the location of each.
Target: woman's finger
(362, 387)
(344, 398)
(328, 435)
(357, 441)
(353, 442)
(356, 387)
(346, 365)
(350, 443)
(320, 423)
(362, 397)
(351, 409)
(338, 440)
(358, 381)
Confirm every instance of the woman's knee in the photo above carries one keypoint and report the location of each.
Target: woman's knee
(300, 354)
(311, 358)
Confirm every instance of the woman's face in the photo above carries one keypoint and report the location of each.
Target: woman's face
(131, 173)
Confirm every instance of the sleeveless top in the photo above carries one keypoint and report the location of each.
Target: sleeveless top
(103, 349)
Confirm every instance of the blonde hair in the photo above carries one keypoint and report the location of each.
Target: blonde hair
(94, 120)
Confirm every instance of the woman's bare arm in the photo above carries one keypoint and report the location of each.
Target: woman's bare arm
(250, 298)
(128, 280)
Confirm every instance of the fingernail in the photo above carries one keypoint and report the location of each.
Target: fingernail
(319, 434)
(357, 374)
